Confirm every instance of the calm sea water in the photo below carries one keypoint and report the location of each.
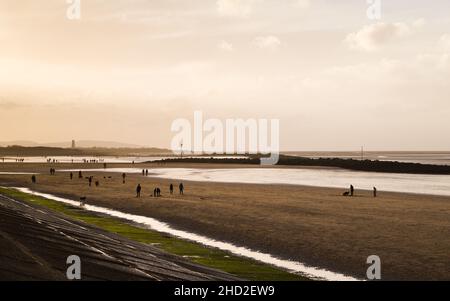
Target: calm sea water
(438, 158)
(335, 178)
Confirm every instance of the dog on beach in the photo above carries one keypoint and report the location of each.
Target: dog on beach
(346, 193)
(82, 201)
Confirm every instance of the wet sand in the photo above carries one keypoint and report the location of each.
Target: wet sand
(317, 226)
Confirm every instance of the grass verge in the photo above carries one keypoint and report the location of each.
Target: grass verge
(214, 258)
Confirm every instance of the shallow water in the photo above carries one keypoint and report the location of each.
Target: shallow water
(81, 159)
(293, 266)
(436, 158)
(335, 178)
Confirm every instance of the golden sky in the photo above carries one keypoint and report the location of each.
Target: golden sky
(124, 71)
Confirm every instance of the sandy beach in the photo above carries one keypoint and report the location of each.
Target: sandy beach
(317, 226)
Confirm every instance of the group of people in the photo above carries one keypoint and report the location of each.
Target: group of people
(351, 192)
(93, 160)
(52, 171)
(157, 190)
(145, 172)
(90, 179)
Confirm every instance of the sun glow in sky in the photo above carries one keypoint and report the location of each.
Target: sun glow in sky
(335, 78)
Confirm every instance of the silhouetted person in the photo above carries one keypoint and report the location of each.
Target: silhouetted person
(143, 172)
(158, 192)
(375, 192)
(171, 188)
(124, 175)
(181, 188)
(80, 175)
(154, 193)
(33, 179)
(90, 181)
(146, 172)
(138, 191)
(352, 190)
(71, 176)
(104, 165)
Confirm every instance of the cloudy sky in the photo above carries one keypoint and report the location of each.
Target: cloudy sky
(334, 78)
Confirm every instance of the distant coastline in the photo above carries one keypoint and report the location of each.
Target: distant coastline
(44, 151)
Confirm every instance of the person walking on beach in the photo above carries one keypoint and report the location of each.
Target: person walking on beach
(143, 172)
(33, 179)
(375, 192)
(352, 190)
(171, 188)
(181, 188)
(154, 193)
(71, 176)
(146, 172)
(90, 181)
(124, 175)
(138, 191)
(80, 175)
(158, 192)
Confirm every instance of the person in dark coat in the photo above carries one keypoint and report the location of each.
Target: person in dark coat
(124, 175)
(138, 191)
(181, 188)
(352, 190)
(171, 188)
(375, 192)
(71, 176)
(33, 179)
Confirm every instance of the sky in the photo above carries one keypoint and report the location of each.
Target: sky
(334, 78)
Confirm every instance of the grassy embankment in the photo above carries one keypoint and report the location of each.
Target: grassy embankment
(214, 258)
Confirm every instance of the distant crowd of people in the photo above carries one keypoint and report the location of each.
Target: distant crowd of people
(90, 179)
(17, 160)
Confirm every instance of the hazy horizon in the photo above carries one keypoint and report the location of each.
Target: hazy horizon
(335, 79)
(119, 144)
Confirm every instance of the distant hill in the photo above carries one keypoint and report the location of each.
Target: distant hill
(15, 151)
(79, 144)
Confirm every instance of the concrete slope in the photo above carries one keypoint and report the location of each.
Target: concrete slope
(35, 243)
